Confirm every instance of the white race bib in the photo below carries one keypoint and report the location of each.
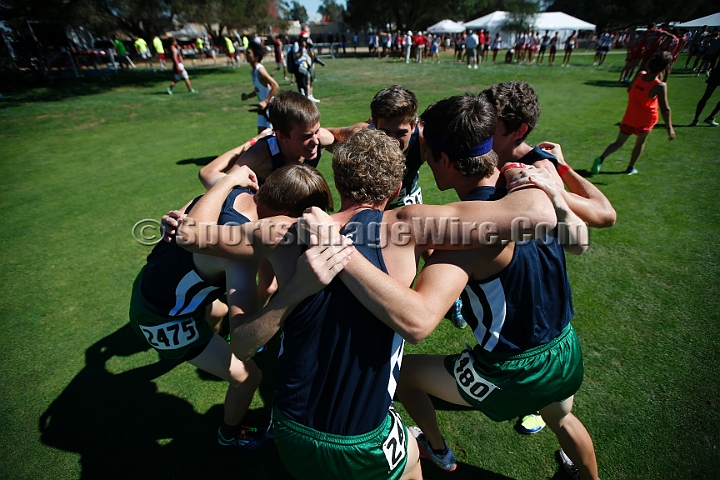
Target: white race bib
(171, 335)
(394, 444)
(472, 384)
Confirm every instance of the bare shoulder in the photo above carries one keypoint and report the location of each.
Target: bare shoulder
(258, 158)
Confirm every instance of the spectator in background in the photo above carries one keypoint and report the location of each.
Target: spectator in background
(142, 49)
(602, 48)
(265, 86)
(520, 41)
(200, 47)
(434, 49)
(496, 45)
(553, 49)
(569, 47)
(459, 46)
(157, 43)
(544, 44)
(712, 49)
(178, 69)
(531, 46)
(419, 44)
(481, 45)
(713, 81)
(279, 57)
(232, 61)
(471, 43)
(633, 58)
(407, 45)
(123, 58)
(694, 49)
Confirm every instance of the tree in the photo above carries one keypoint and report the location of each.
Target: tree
(294, 11)
(415, 15)
(623, 14)
(521, 15)
(331, 11)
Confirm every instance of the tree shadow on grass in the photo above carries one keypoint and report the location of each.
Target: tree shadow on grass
(123, 427)
(27, 89)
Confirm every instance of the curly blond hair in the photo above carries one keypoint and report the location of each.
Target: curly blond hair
(369, 167)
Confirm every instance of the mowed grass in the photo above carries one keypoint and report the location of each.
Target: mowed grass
(85, 160)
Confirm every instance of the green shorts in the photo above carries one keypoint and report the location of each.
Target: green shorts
(505, 386)
(177, 338)
(310, 454)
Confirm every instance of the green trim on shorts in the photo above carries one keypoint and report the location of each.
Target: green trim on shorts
(504, 386)
(143, 314)
(310, 454)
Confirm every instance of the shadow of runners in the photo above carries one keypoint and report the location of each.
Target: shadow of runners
(122, 427)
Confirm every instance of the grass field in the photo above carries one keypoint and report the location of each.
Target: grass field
(83, 161)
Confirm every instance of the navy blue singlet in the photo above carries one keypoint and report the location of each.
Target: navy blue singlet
(503, 309)
(338, 364)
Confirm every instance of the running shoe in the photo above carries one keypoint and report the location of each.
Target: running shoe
(569, 465)
(169, 90)
(447, 461)
(711, 121)
(631, 171)
(455, 314)
(596, 166)
(248, 438)
(193, 91)
(694, 123)
(532, 423)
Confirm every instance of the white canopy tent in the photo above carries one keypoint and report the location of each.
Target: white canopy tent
(711, 21)
(446, 26)
(559, 22)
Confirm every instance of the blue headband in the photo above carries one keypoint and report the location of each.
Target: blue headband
(448, 147)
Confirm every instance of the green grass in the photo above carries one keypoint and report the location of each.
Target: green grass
(84, 160)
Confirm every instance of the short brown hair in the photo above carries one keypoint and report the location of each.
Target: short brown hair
(456, 126)
(659, 62)
(369, 167)
(516, 103)
(294, 188)
(393, 102)
(290, 109)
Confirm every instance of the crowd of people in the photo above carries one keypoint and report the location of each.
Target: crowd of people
(339, 284)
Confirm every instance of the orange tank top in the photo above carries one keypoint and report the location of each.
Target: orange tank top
(642, 111)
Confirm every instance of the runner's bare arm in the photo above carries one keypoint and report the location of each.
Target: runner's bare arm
(414, 314)
(199, 232)
(341, 134)
(571, 230)
(216, 169)
(483, 223)
(664, 107)
(269, 82)
(584, 198)
(315, 270)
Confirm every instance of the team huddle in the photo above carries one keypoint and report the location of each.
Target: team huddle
(340, 285)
